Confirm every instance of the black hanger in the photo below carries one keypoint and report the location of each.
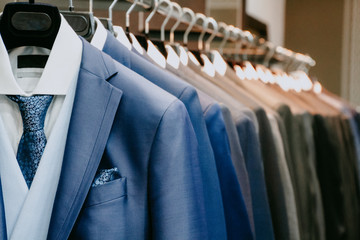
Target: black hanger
(197, 54)
(29, 24)
(142, 39)
(160, 45)
(83, 23)
(127, 33)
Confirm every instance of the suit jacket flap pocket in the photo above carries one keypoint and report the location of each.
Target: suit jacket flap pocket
(106, 192)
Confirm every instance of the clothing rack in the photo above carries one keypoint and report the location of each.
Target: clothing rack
(238, 35)
(146, 144)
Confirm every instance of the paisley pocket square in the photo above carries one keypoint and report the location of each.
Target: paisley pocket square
(104, 176)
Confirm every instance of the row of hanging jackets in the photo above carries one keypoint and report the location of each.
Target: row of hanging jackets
(139, 148)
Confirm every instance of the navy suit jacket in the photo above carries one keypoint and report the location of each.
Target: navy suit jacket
(236, 215)
(188, 95)
(121, 120)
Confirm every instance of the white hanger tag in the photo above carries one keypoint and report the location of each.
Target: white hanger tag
(184, 58)
(208, 67)
(239, 72)
(156, 55)
(172, 58)
(135, 43)
(121, 36)
(193, 58)
(219, 63)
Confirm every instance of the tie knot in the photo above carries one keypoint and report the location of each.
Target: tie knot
(33, 110)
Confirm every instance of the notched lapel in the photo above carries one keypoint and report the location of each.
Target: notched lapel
(95, 105)
(3, 233)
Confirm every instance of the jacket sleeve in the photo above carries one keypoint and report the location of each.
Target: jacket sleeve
(175, 196)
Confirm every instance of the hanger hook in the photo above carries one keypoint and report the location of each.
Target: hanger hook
(249, 38)
(157, 4)
(286, 54)
(233, 36)
(225, 30)
(215, 25)
(71, 5)
(127, 15)
(292, 60)
(166, 20)
(91, 4)
(111, 9)
(191, 23)
(270, 53)
(205, 23)
(147, 20)
(180, 11)
(239, 39)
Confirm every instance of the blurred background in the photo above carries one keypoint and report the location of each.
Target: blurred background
(327, 30)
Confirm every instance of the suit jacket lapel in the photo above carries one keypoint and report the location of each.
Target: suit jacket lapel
(3, 233)
(95, 105)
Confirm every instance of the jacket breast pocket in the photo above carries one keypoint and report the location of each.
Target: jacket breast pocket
(104, 213)
(106, 192)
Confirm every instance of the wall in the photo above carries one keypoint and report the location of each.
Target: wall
(350, 84)
(228, 11)
(316, 27)
(271, 12)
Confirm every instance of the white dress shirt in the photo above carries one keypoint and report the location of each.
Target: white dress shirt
(100, 35)
(28, 211)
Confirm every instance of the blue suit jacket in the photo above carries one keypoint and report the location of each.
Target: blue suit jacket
(236, 215)
(121, 120)
(254, 164)
(188, 95)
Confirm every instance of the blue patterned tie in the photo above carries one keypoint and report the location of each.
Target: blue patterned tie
(32, 143)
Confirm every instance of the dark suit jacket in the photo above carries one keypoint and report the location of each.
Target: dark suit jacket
(187, 94)
(349, 174)
(329, 173)
(250, 145)
(121, 120)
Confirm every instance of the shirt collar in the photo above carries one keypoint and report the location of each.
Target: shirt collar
(60, 70)
(100, 35)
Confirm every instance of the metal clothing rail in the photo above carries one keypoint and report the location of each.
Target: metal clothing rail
(235, 35)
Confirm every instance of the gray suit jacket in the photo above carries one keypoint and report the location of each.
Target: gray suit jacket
(247, 130)
(300, 155)
(285, 219)
(238, 160)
